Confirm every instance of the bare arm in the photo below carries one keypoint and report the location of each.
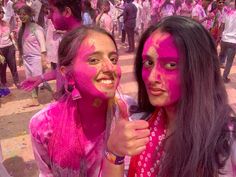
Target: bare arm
(30, 83)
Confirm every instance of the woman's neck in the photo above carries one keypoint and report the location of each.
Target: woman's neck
(92, 112)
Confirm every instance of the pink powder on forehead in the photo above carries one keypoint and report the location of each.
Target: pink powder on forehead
(167, 48)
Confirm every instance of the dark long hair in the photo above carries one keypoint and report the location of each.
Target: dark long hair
(29, 11)
(201, 142)
(74, 5)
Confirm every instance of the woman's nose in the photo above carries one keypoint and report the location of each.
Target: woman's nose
(107, 65)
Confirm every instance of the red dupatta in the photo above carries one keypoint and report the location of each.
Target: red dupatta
(147, 164)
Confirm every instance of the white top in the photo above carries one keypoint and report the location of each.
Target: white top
(36, 6)
(167, 10)
(105, 22)
(199, 12)
(229, 33)
(5, 39)
(186, 10)
(9, 12)
(53, 39)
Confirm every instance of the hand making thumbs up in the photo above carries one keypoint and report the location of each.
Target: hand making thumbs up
(128, 137)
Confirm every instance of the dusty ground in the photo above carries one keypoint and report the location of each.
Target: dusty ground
(14, 119)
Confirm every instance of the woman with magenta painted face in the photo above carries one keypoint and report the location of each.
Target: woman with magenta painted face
(191, 126)
(69, 135)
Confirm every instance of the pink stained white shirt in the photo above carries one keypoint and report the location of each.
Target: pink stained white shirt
(42, 130)
(105, 22)
(5, 39)
(43, 127)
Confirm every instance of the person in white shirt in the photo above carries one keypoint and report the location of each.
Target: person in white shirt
(7, 50)
(9, 12)
(228, 41)
(104, 20)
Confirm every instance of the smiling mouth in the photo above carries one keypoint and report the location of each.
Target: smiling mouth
(107, 83)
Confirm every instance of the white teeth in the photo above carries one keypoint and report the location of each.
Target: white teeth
(106, 81)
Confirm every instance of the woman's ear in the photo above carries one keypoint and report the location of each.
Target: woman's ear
(67, 12)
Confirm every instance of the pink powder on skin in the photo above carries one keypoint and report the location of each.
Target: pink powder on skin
(61, 22)
(88, 75)
(161, 76)
(79, 128)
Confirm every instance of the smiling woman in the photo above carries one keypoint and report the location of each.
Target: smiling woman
(68, 136)
(32, 48)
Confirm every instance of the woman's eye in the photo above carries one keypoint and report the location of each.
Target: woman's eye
(114, 60)
(148, 63)
(93, 61)
(171, 65)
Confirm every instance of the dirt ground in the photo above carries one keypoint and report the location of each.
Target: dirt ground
(14, 120)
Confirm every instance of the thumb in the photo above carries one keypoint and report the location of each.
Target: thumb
(123, 110)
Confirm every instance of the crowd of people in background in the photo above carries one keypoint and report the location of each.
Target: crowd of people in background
(121, 18)
(69, 35)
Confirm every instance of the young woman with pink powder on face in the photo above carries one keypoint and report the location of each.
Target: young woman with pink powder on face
(69, 136)
(191, 129)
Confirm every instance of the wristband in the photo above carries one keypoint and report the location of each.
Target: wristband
(113, 158)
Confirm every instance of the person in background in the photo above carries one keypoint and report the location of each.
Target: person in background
(201, 14)
(191, 126)
(32, 48)
(146, 15)
(88, 13)
(138, 17)
(9, 12)
(167, 9)
(129, 15)
(217, 9)
(104, 20)
(65, 16)
(228, 41)
(7, 51)
(186, 9)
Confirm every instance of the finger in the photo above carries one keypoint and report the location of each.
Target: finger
(123, 111)
(139, 150)
(139, 124)
(135, 151)
(142, 133)
(141, 142)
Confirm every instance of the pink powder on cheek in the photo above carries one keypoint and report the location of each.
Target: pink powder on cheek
(145, 75)
(174, 88)
(170, 79)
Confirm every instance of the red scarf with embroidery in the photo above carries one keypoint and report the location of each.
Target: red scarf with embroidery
(147, 164)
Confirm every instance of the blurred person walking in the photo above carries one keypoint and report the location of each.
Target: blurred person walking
(7, 51)
(32, 48)
(228, 41)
